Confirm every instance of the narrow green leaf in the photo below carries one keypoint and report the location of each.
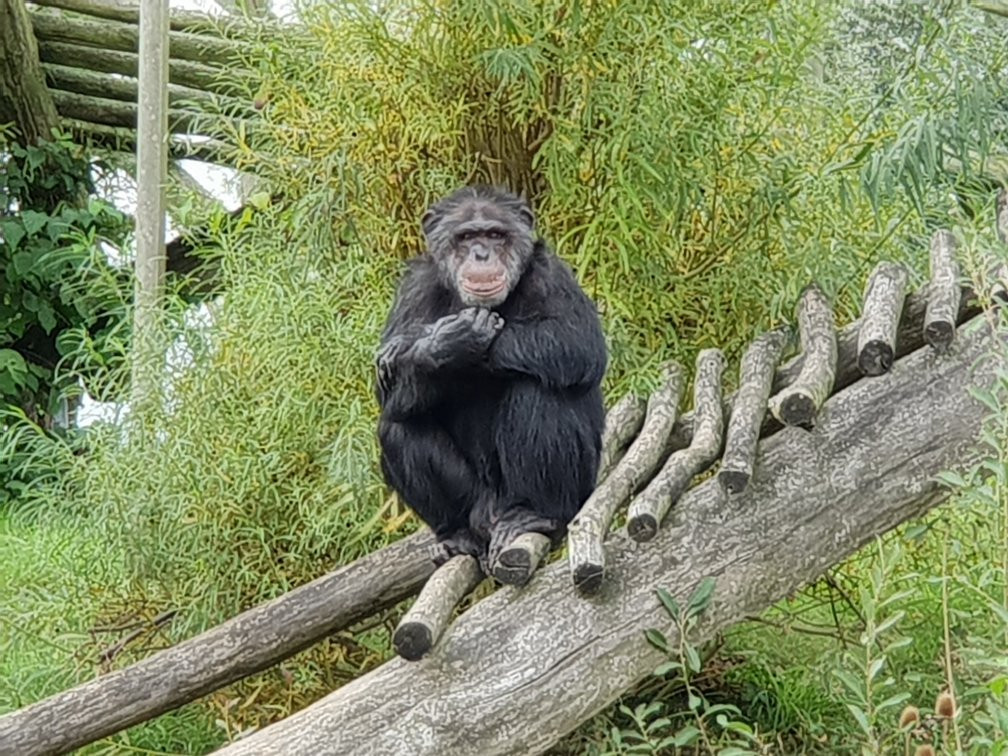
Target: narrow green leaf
(701, 596)
(656, 639)
(861, 717)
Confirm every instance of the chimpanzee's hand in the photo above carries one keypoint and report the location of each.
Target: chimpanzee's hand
(464, 336)
(385, 360)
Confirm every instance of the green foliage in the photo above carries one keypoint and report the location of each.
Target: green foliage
(62, 304)
(701, 725)
(684, 158)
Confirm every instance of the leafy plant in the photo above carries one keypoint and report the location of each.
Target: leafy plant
(62, 304)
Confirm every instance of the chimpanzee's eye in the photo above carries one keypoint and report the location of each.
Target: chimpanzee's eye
(495, 234)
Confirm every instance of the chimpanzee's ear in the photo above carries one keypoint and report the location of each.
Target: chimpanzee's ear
(429, 221)
(527, 216)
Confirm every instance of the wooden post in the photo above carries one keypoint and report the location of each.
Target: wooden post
(152, 172)
(587, 531)
(799, 402)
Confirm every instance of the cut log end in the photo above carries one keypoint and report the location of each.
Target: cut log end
(642, 527)
(425, 622)
(588, 578)
(797, 408)
(939, 334)
(519, 561)
(733, 481)
(876, 358)
(412, 640)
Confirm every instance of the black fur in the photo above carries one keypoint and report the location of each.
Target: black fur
(491, 419)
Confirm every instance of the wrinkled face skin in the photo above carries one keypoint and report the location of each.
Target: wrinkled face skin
(481, 238)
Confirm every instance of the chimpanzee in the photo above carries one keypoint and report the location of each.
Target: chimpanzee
(489, 373)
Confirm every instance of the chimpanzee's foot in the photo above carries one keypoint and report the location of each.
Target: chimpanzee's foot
(462, 541)
(515, 548)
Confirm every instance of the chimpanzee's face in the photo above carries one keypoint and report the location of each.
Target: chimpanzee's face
(481, 244)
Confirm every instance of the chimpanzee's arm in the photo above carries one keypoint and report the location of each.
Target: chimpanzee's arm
(421, 346)
(554, 334)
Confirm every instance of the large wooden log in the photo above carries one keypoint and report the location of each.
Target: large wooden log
(54, 25)
(249, 643)
(522, 668)
(179, 20)
(95, 84)
(116, 113)
(183, 72)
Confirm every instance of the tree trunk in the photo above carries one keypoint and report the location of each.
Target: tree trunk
(24, 98)
(524, 667)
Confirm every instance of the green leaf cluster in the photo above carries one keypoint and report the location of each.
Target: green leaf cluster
(62, 303)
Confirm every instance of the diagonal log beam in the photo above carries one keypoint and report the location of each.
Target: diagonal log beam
(182, 72)
(54, 25)
(524, 667)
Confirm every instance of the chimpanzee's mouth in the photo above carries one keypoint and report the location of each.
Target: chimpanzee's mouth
(484, 289)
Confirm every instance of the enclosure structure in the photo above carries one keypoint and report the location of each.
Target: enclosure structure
(826, 451)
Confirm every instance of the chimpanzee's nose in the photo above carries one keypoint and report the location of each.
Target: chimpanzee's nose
(482, 255)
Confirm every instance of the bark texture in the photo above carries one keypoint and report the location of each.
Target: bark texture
(623, 423)
(519, 560)
(430, 614)
(591, 525)
(524, 667)
(883, 305)
(649, 508)
(24, 98)
(183, 72)
(755, 381)
(944, 292)
(798, 403)
(53, 25)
